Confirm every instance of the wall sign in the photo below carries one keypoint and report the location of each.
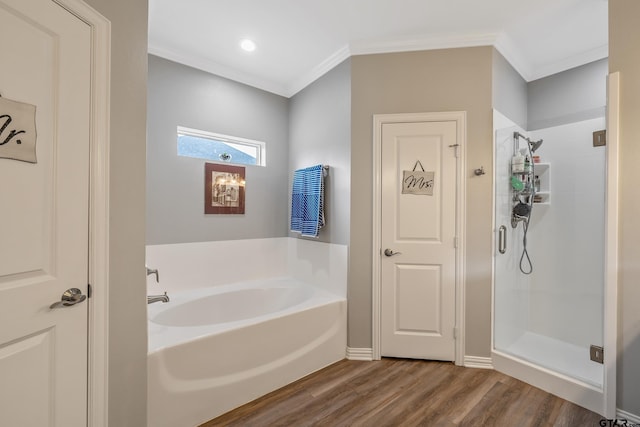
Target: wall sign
(17, 130)
(417, 182)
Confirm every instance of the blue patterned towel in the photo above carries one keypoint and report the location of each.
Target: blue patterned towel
(307, 201)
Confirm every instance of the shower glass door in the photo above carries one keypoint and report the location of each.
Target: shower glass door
(551, 320)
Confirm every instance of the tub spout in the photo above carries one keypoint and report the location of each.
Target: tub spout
(157, 298)
(153, 271)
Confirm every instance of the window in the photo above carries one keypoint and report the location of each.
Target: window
(220, 148)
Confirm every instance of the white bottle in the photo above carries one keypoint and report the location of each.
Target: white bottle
(517, 163)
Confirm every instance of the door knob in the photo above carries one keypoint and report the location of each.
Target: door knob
(71, 296)
(389, 252)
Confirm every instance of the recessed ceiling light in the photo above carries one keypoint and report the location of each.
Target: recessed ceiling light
(248, 45)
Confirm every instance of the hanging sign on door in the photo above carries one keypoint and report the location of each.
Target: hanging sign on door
(417, 182)
(17, 130)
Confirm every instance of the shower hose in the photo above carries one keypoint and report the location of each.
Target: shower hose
(527, 268)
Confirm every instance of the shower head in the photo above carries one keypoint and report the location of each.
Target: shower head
(534, 145)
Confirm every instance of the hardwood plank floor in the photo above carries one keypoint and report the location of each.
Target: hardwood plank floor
(400, 392)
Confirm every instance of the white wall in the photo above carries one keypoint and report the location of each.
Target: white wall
(563, 297)
(186, 266)
(566, 238)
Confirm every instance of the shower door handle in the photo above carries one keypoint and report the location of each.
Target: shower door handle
(502, 239)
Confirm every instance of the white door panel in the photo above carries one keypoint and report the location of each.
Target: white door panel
(44, 218)
(418, 283)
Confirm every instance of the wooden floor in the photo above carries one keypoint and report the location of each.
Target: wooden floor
(399, 392)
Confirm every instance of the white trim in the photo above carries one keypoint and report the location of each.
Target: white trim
(218, 69)
(620, 414)
(460, 117)
(360, 353)
(561, 385)
(500, 41)
(98, 351)
(478, 362)
(514, 56)
(611, 246)
(261, 158)
(318, 71)
(423, 43)
(573, 61)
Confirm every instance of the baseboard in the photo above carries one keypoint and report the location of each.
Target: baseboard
(469, 361)
(359, 353)
(632, 418)
(478, 362)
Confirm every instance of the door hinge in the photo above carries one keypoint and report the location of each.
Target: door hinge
(455, 333)
(455, 147)
(455, 242)
(89, 290)
(596, 353)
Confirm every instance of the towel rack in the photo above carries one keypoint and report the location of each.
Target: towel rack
(325, 170)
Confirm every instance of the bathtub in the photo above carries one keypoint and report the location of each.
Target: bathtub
(214, 349)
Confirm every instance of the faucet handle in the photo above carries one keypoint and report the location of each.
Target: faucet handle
(153, 271)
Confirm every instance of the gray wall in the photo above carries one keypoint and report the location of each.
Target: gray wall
(568, 97)
(436, 80)
(127, 316)
(320, 132)
(624, 57)
(180, 95)
(509, 91)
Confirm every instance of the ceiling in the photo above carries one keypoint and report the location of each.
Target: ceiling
(300, 40)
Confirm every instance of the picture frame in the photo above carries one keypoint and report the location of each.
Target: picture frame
(224, 189)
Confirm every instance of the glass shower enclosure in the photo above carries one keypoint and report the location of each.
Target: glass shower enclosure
(549, 258)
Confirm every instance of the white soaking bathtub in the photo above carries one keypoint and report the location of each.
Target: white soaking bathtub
(214, 349)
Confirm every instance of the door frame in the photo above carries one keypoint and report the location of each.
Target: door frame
(99, 142)
(610, 326)
(460, 118)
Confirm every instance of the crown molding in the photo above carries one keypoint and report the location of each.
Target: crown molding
(500, 41)
(406, 45)
(319, 70)
(577, 60)
(423, 43)
(513, 55)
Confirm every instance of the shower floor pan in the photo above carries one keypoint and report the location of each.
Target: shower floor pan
(565, 358)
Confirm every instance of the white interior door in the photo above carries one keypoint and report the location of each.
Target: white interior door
(417, 317)
(46, 56)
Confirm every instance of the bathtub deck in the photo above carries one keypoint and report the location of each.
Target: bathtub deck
(394, 392)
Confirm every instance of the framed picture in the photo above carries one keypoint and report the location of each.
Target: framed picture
(223, 189)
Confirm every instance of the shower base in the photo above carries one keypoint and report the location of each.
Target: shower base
(555, 367)
(559, 356)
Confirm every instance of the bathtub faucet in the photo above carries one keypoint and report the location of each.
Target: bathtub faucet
(154, 271)
(157, 298)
